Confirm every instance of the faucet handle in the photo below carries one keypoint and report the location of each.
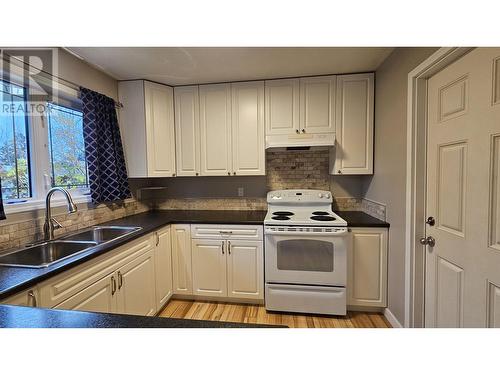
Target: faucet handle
(57, 224)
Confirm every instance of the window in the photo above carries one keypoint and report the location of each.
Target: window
(40, 149)
(66, 147)
(14, 146)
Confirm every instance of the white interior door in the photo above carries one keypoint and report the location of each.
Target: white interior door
(463, 188)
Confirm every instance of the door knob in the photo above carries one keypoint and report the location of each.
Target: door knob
(430, 241)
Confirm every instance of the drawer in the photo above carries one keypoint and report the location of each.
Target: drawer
(306, 299)
(215, 231)
(61, 287)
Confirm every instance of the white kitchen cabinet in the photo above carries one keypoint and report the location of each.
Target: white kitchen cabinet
(282, 106)
(353, 152)
(135, 293)
(245, 266)
(28, 297)
(147, 128)
(247, 129)
(367, 267)
(98, 297)
(209, 267)
(187, 130)
(228, 261)
(163, 267)
(317, 104)
(215, 129)
(181, 259)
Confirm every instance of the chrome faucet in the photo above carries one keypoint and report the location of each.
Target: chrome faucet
(50, 223)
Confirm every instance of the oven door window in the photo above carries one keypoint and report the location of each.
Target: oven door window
(305, 255)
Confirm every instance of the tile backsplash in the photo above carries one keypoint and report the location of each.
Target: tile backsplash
(18, 230)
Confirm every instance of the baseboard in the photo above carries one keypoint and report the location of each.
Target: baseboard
(392, 319)
(191, 297)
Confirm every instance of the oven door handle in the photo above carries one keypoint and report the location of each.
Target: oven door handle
(307, 234)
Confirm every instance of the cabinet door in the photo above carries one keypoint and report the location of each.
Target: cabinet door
(215, 130)
(25, 298)
(317, 104)
(163, 267)
(244, 269)
(160, 139)
(187, 130)
(97, 297)
(367, 265)
(248, 128)
(209, 267)
(136, 286)
(354, 124)
(282, 106)
(181, 259)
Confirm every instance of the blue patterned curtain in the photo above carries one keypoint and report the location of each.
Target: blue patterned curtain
(2, 212)
(103, 148)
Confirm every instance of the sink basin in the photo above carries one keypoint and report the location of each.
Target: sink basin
(102, 234)
(45, 254)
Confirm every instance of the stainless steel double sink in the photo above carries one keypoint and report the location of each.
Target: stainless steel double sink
(46, 253)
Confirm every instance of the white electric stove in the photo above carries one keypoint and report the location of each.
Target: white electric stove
(305, 253)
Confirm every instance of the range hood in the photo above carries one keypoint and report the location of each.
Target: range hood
(300, 140)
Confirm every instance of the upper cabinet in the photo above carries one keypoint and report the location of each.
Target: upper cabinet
(187, 130)
(247, 128)
(147, 127)
(317, 104)
(300, 112)
(282, 106)
(215, 129)
(232, 129)
(353, 153)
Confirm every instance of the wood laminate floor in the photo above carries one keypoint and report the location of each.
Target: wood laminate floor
(242, 313)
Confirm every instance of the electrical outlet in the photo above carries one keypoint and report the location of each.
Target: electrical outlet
(241, 192)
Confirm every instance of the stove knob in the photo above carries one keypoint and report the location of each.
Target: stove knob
(327, 196)
(320, 195)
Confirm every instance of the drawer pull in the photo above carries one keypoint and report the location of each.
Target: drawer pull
(226, 232)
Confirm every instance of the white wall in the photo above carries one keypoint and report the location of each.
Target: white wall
(77, 71)
(389, 181)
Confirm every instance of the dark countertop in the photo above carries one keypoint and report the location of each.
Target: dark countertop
(16, 279)
(361, 219)
(31, 317)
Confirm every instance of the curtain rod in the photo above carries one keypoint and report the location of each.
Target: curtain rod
(66, 82)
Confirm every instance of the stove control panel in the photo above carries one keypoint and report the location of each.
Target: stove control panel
(299, 195)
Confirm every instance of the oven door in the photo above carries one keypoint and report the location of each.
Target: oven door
(306, 258)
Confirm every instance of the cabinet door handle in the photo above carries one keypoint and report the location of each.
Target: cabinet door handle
(229, 247)
(297, 131)
(113, 285)
(120, 280)
(223, 247)
(157, 239)
(32, 298)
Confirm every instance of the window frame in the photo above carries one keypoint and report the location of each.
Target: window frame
(40, 166)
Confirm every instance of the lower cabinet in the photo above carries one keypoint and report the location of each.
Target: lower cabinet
(181, 259)
(245, 266)
(367, 267)
(98, 297)
(227, 268)
(135, 292)
(28, 297)
(163, 267)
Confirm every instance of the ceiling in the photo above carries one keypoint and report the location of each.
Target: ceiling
(196, 65)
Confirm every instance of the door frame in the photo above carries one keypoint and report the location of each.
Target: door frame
(416, 162)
